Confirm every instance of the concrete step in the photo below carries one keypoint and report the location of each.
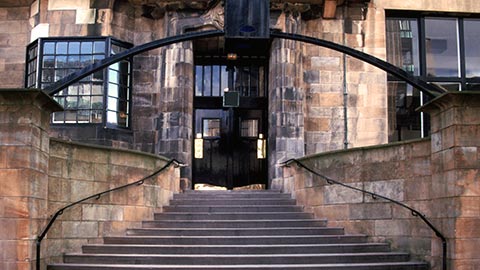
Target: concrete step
(236, 202)
(346, 266)
(217, 259)
(234, 223)
(230, 216)
(232, 195)
(232, 209)
(235, 249)
(236, 231)
(235, 240)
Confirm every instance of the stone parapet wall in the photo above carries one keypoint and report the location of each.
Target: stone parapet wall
(77, 171)
(39, 175)
(399, 171)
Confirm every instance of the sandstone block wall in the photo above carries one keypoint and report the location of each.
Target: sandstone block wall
(399, 171)
(77, 171)
(39, 175)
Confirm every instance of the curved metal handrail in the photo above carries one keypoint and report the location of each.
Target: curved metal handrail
(375, 196)
(96, 196)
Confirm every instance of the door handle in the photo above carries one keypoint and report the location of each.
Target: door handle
(261, 147)
(198, 146)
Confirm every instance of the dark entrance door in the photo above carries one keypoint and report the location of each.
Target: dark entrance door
(233, 138)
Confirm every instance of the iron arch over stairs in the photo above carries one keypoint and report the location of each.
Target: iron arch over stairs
(423, 86)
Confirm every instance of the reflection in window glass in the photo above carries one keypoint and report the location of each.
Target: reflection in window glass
(404, 121)
(472, 52)
(441, 45)
(249, 128)
(211, 128)
(216, 81)
(83, 101)
(403, 44)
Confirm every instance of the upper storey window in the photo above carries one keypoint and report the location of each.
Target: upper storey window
(440, 50)
(101, 98)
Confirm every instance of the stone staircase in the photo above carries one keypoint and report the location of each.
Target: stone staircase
(237, 230)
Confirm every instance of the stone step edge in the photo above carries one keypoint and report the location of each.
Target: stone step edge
(297, 255)
(242, 246)
(243, 266)
(237, 229)
(238, 237)
(239, 220)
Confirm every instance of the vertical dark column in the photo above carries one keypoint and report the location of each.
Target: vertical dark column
(286, 112)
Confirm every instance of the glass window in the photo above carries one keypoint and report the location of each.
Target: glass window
(403, 44)
(249, 128)
(212, 80)
(441, 46)
(211, 128)
(83, 101)
(472, 51)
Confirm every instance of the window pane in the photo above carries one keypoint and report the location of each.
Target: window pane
(49, 62)
(224, 75)
(96, 116)
(62, 48)
(49, 48)
(207, 81)
(87, 48)
(441, 41)
(211, 128)
(61, 62)
(99, 47)
(249, 128)
(472, 52)
(216, 81)
(405, 121)
(74, 47)
(198, 80)
(403, 44)
(97, 102)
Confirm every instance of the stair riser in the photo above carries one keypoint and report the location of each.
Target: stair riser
(220, 232)
(235, 241)
(233, 202)
(232, 209)
(252, 196)
(233, 224)
(229, 216)
(216, 260)
(225, 250)
(406, 266)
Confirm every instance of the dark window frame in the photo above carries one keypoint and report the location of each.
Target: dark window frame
(108, 42)
(462, 79)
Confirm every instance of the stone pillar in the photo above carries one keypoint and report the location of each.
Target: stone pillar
(286, 101)
(174, 123)
(455, 124)
(24, 155)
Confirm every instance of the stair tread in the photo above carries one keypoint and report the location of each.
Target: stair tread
(246, 246)
(238, 229)
(149, 266)
(239, 237)
(243, 255)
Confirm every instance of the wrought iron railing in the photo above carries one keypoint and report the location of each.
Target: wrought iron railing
(376, 196)
(97, 196)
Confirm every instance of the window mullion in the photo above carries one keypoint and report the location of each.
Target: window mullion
(462, 57)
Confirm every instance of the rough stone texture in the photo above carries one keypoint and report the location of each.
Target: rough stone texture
(456, 167)
(14, 37)
(39, 175)
(388, 170)
(24, 121)
(286, 95)
(79, 170)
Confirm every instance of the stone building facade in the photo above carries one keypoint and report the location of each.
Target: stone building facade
(307, 99)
